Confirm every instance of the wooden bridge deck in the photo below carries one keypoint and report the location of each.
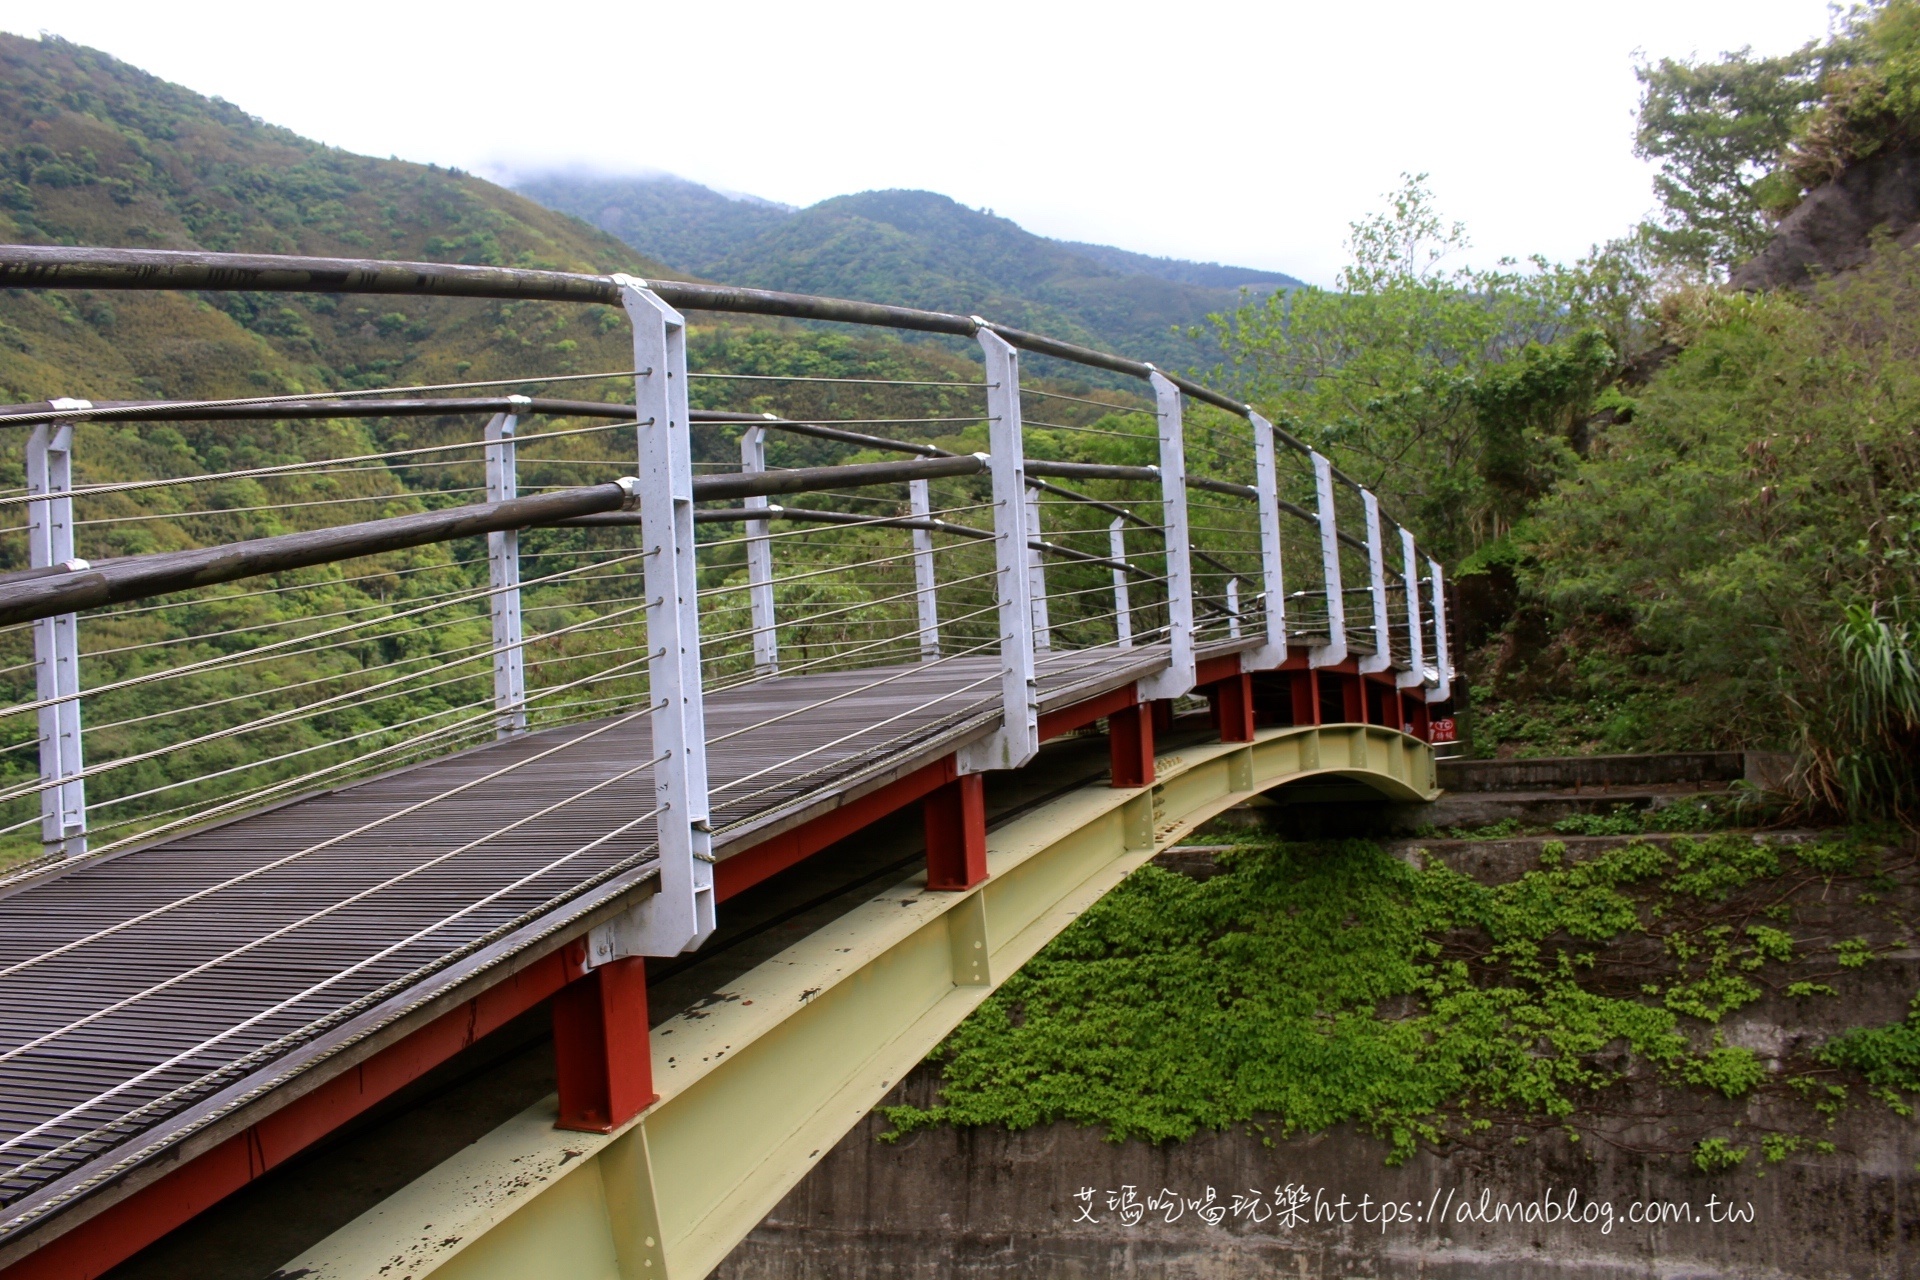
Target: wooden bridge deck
(150, 995)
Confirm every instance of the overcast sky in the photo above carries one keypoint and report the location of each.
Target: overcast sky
(1237, 132)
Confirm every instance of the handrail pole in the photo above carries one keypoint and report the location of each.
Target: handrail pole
(1178, 677)
(1122, 608)
(766, 637)
(1334, 651)
(925, 581)
(1233, 608)
(1018, 737)
(680, 915)
(56, 641)
(503, 575)
(1037, 574)
(1416, 674)
(1382, 658)
(1443, 686)
(1273, 587)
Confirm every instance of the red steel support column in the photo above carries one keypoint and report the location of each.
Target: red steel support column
(600, 1048)
(1162, 715)
(1233, 707)
(1417, 715)
(956, 824)
(1353, 698)
(1305, 687)
(1130, 746)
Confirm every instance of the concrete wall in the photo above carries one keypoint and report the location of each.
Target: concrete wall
(948, 1203)
(968, 1204)
(1553, 772)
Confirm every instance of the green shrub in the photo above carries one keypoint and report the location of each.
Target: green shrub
(1889, 1056)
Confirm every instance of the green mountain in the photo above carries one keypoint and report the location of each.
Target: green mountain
(94, 151)
(913, 248)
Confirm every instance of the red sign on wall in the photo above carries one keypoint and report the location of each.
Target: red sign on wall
(1443, 731)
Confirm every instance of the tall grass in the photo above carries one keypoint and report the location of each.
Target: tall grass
(1873, 762)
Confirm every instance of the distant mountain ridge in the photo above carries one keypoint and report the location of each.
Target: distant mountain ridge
(913, 248)
(95, 151)
(1211, 275)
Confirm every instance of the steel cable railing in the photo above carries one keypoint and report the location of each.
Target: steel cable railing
(784, 648)
(876, 604)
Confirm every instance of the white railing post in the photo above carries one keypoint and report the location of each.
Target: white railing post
(503, 573)
(56, 640)
(1037, 574)
(1233, 608)
(1273, 589)
(766, 638)
(679, 916)
(1377, 589)
(1334, 651)
(1018, 737)
(920, 502)
(1416, 675)
(1443, 666)
(1177, 678)
(1122, 608)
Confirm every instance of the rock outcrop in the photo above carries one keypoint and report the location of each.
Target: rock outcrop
(1835, 227)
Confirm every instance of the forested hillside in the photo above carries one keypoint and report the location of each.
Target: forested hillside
(915, 248)
(1683, 513)
(97, 152)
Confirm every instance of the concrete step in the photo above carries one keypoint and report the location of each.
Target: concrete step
(1534, 794)
(1766, 770)
(1494, 861)
(1543, 808)
(1501, 861)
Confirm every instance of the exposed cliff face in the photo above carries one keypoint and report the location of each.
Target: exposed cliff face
(1833, 229)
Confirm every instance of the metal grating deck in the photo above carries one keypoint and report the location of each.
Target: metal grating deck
(148, 993)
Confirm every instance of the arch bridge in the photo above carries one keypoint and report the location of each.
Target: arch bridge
(739, 805)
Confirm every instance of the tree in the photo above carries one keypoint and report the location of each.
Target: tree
(1393, 373)
(1757, 524)
(1718, 130)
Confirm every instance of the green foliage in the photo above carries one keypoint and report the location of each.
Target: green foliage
(1451, 391)
(1731, 1072)
(1775, 1148)
(1527, 409)
(1717, 130)
(1698, 814)
(1770, 943)
(1621, 822)
(1879, 701)
(1326, 984)
(1717, 1155)
(1768, 483)
(1870, 96)
(1602, 701)
(1888, 1056)
(1741, 140)
(1501, 830)
(1852, 953)
(1834, 857)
